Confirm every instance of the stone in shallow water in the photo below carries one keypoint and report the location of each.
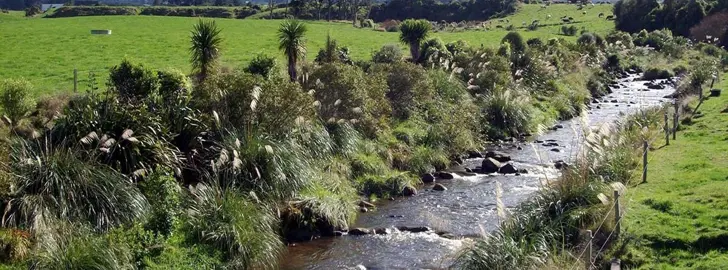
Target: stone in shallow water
(490, 165)
(508, 169)
(439, 187)
(360, 231)
(427, 178)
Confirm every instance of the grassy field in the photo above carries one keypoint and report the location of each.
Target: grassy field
(45, 51)
(680, 217)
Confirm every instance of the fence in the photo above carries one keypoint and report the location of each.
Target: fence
(587, 255)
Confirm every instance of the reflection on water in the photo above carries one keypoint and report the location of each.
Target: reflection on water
(467, 208)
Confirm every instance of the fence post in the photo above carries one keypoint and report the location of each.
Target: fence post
(75, 80)
(590, 237)
(674, 119)
(667, 130)
(617, 215)
(616, 264)
(644, 161)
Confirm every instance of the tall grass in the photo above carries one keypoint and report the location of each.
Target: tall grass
(234, 222)
(53, 182)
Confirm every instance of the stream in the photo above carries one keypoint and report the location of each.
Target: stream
(467, 208)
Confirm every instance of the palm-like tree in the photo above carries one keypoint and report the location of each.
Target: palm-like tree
(413, 32)
(291, 42)
(205, 47)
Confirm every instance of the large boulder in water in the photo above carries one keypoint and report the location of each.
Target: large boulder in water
(427, 178)
(508, 169)
(490, 165)
(498, 156)
(409, 191)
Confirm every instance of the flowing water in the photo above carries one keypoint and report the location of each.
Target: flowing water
(467, 209)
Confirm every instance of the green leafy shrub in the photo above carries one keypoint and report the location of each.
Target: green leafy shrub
(389, 53)
(16, 245)
(333, 53)
(408, 88)
(262, 65)
(133, 81)
(435, 54)
(345, 93)
(174, 86)
(619, 38)
(164, 196)
(569, 30)
(516, 42)
(15, 102)
(75, 11)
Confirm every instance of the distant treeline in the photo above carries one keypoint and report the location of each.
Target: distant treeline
(680, 16)
(432, 10)
(213, 12)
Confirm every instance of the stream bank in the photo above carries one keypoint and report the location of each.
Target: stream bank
(467, 208)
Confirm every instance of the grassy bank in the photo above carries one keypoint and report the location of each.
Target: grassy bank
(678, 219)
(45, 51)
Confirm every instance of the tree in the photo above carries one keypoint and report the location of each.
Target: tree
(635, 15)
(413, 32)
(205, 47)
(291, 41)
(710, 28)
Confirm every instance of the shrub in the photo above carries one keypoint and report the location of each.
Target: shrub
(586, 39)
(174, 86)
(656, 74)
(680, 70)
(32, 11)
(408, 88)
(534, 42)
(164, 195)
(75, 11)
(389, 53)
(390, 25)
(505, 113)
(230, 221)
(262, 65)
(15, 102)
(133, 81)
(435, 54)
(346, 93)
(619, 38)
(368, 23)
(569, 30)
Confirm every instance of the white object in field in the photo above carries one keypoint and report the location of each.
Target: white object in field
(101, 32)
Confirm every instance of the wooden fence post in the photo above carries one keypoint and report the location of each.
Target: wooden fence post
(674, 119)
(645, 145)
(75, 80)
(617, 215)
(667, 130)
(590, 237)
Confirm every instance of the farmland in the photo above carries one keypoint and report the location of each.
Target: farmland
(45, 51)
